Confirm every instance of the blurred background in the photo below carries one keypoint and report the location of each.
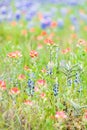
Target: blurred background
(48, 9)
(43, 14)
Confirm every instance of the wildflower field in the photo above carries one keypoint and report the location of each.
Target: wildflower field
(43, 65)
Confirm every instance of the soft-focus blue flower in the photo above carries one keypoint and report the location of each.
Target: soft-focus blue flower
(18, 15)
(31, 75)
(60, 23)
(3, 10)
(63, 11)
(45, 23)
(75, 22)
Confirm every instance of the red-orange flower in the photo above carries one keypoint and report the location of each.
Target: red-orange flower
(66, 50)
(43, 70)
(49, 41)
(2, 85)
(26, 68)
(52, 117)
(53, 24)
(33, 54)
(14, 54)
(40, 37)
(85, 49)
(41, 82)
(14, 90)
(40, 16)
(85, 28)
(24, 32)
(74, 36)
(32, 30)
(43, 33)
(13, 23)
(43, 95)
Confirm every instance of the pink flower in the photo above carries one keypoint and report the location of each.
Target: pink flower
(32, 30)
(49, 42)
(40, 46)
(82, 42)
(26, 68)
(24, 32)
(85, 114)
(43, 70)
(42, 95)
(41, 82)
(40, 38)
(14, 54)
(18, 53)
(28, 102)
(65, 51)
(13, 23)
(60, 114)
(2, 85)
(36, 89)
(21, 77)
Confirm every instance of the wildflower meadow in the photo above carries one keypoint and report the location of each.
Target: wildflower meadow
(43, 65)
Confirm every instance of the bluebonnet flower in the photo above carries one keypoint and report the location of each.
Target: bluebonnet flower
(77, 79)
(31, 87)
(50, 68)
(47, 15)
(45, 23)
(49, 71)
(69, 82)
(55, 88)
(18, 15)
(31, 84)
(31, 75)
